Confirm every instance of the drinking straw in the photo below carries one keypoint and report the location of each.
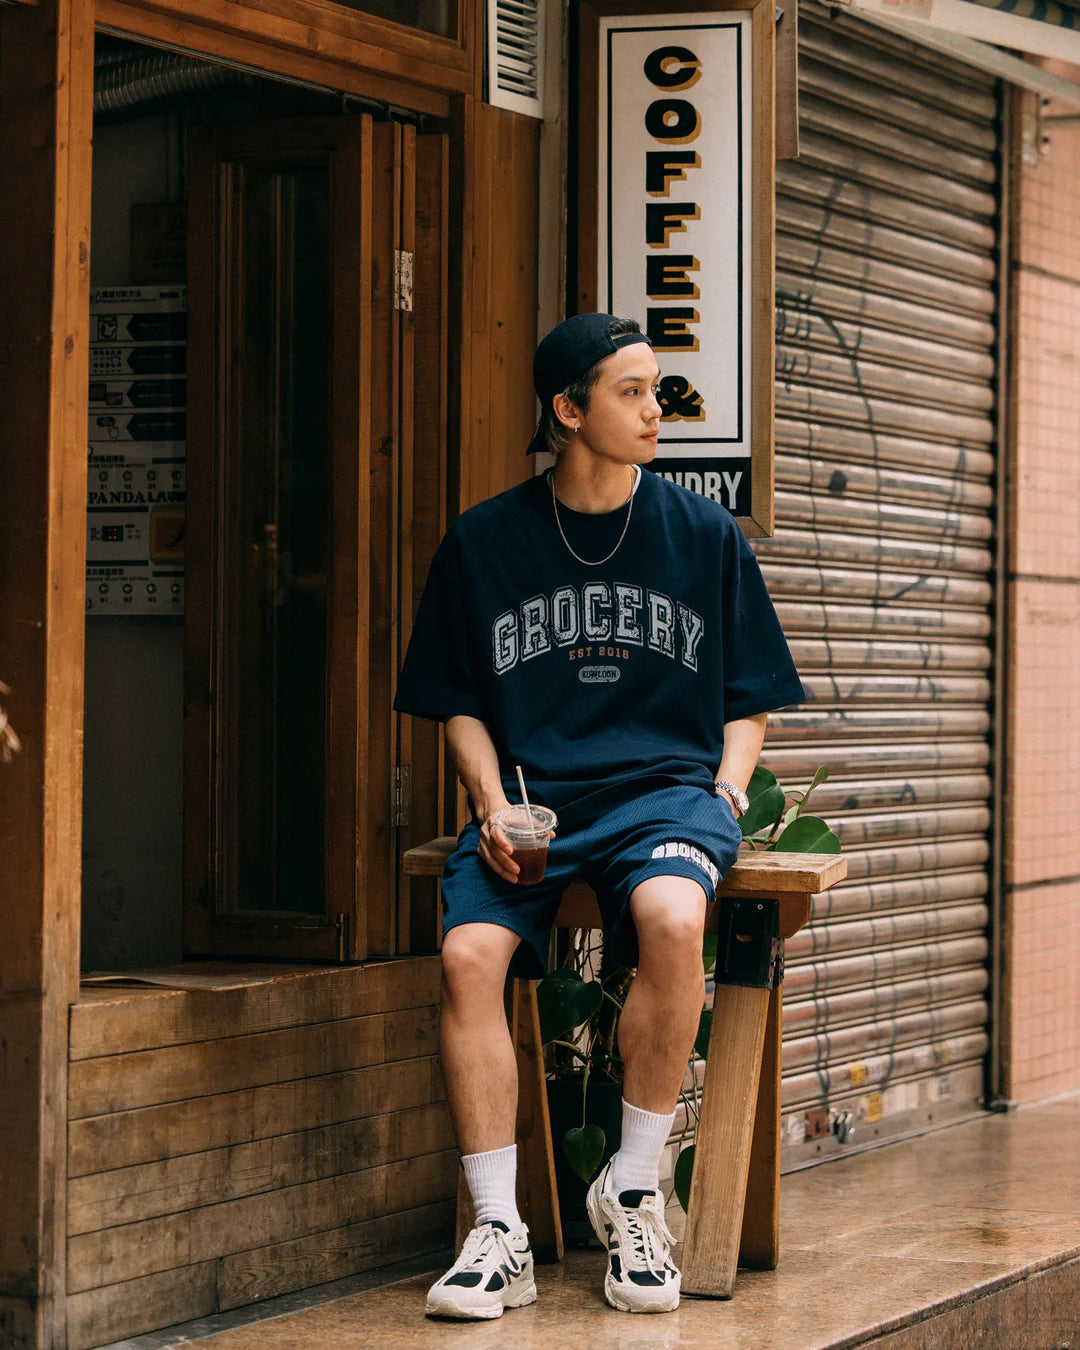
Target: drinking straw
(524, 794)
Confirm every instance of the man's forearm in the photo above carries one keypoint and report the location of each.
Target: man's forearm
(742, 746)
(477, 764)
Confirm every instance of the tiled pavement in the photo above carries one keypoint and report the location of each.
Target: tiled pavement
(936, 1243)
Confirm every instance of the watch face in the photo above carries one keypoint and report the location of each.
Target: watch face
(736, 794)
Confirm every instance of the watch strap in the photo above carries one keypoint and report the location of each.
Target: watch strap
(737, 795)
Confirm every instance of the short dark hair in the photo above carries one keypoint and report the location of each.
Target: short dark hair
(579, 391)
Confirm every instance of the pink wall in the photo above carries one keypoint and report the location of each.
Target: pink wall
(1042, 861)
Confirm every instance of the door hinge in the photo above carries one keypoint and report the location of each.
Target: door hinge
(401, 786)
(403, 279)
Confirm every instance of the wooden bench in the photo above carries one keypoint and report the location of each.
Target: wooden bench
(733, 1216)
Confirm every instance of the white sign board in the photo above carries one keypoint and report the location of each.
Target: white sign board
(675, 229)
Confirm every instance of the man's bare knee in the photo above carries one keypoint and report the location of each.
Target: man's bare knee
(673, 932)
(669, 914)
(475, 958)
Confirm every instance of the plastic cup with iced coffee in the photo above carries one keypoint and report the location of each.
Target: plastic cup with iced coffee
(528, 830)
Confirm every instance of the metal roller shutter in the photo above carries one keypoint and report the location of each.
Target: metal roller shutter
(881, 571)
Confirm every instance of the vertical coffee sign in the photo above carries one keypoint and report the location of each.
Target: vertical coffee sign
(675, 229)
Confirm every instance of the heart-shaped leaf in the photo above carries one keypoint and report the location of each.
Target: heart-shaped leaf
(583, 1148)
(701, 1040)
(766, 803)
(684, 1169)
(555, 995)
(589, 999)
(808, 834)
(708, 952)
(565, 1000)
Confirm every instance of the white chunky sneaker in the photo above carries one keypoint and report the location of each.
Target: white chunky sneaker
(494, 1271)
(641, 1276)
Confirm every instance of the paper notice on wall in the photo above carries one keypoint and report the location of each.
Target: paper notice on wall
(136, 436)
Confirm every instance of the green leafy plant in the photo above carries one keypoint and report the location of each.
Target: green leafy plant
(771, 809)
(580, 1003)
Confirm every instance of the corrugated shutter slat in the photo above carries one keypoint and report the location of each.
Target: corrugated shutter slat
(881, 573)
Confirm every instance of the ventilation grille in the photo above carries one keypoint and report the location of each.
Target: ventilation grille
(515, 66)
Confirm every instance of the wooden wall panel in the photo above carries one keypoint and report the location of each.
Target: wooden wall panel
(104, 1315)
(142, 1019)
(128, 1194)
(114, 1255)
(144, 1274)
(125, 1138)
(46, 85)
(122, 1083)
(313, 1260)
(295, 1133)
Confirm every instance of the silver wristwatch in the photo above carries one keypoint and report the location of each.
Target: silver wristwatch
(737, 795)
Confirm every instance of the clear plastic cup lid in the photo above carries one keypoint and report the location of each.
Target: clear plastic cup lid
(538, 820)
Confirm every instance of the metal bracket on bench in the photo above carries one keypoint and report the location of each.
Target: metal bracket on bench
(749, 951)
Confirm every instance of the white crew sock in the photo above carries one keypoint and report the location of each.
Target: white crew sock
(492, 1179)
(637, 1163)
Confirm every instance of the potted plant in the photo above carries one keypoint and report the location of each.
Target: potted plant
(581, 1001)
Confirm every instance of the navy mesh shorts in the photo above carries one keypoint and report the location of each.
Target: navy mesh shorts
(673, 832)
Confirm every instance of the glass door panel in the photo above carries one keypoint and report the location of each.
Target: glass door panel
(273, 651)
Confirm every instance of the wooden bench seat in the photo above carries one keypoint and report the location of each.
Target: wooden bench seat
(733, 1216)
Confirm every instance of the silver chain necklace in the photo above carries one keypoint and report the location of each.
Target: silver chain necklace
(626, 525)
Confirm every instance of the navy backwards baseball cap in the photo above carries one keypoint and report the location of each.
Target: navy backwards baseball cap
(567, 352)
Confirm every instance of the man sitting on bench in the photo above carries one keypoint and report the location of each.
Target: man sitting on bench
(611, 633)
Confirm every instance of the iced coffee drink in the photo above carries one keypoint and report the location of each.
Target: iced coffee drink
(529, 832)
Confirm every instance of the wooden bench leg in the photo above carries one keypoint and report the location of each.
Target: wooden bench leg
(466, 1214)
(538, 1199)
(723, 1140)
(760, 1248)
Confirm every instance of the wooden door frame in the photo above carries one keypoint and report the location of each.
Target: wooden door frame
(377, 545)
(423, 499)
(346, 145)
(46, 92)
(328, 45)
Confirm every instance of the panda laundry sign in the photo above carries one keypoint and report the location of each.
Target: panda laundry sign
(674, 237)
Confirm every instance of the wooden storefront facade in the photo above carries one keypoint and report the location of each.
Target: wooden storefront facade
(274, 1118)
(157, 1139)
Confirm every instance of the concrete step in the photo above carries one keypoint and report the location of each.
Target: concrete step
(966, 1237)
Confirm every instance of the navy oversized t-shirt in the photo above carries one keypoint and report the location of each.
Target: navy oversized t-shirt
(602, 682)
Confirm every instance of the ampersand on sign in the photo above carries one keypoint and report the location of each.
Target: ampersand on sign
(680, 401)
